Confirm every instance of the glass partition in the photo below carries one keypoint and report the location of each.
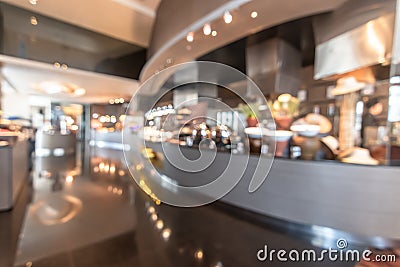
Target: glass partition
(393, 148)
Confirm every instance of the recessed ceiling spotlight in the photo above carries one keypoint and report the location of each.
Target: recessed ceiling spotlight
(254, 14)
(227, 17)
(64, 66)
(57, 65)
(190, 37)
(214, 33)
(33, 2)
(34, 21)
(207, 29)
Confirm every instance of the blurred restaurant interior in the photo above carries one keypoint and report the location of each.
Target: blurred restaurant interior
(296, 103)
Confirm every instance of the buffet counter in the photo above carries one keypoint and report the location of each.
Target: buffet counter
(359, 201)
(14, 166)
(55, 143)
(111, 140)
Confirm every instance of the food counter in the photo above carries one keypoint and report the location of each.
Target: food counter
(111, 140)
(55, 143)
(359, 202)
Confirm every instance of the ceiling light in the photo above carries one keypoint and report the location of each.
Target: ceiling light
(64, 66)
(79, 91)
(190, 37)
(227, 17)
(254, 14)
(51, 87)
(33, 2)
(111, 101)
(121, 100)
(207, 29)
(57, 65)
(69, 179)
(214, 33)
(34, 21)
(55, 87)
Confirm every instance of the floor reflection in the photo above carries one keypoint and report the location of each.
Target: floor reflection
(93, 214)
(71, 211)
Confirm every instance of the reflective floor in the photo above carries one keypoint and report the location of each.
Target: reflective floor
(88, 212)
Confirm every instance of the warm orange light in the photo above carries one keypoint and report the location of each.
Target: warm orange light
(228, 17)
(190, 37)
(207, 29)
(69, 179)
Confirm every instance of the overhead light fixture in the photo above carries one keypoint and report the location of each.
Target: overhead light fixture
(190, 37)
(34, 21)
(79, 91)
(69, 179)
(116, 101)
(227, 17)
(207, 29)
(214, 33)
(60, 88)
(33, 2)
(50, 87)
(57, 65)
(64, 66)
(254, 14)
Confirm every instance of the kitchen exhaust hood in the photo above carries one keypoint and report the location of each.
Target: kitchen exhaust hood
(357, 36)
(274, 65)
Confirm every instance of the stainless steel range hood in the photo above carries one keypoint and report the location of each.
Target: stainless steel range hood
(274, 65)
(357, 35)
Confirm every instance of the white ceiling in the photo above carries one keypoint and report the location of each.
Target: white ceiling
(270, 13)
(24, 76)
(127, 20)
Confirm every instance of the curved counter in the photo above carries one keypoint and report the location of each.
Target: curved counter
(359, 201)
